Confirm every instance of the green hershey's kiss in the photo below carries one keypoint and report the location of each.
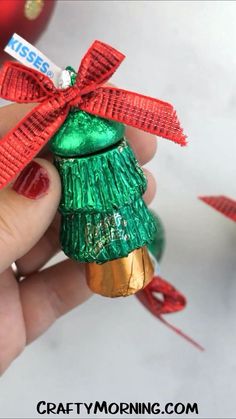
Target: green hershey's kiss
(83, 134)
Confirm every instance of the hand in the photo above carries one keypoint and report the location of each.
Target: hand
(29, 236)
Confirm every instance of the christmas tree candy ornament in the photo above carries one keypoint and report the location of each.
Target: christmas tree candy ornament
(105, 222)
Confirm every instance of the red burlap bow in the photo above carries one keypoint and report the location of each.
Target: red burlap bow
(222, 204)
(21, 84)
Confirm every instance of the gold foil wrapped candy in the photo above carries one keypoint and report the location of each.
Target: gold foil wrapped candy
(121, 277)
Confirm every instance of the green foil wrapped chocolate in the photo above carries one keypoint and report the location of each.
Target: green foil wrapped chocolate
(103, 214)
(83, 134)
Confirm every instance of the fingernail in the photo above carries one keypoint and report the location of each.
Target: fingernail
(33, 182)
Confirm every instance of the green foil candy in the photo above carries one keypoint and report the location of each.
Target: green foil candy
(103, 214)
(83, 134)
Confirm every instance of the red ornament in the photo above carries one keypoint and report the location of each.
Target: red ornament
(28, 18)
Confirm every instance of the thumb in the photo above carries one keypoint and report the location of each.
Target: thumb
(27, 209)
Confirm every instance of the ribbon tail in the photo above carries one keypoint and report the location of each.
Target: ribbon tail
(142, 112)
(224, 205)
(98, 65)
(22, 143)
(171, 302)
(181, 333)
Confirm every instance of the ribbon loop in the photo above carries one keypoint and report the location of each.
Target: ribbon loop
(172, 301)
(24, 142)
(98, 64)
(24, 85)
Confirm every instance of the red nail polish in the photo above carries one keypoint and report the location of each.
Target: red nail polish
(33, 182)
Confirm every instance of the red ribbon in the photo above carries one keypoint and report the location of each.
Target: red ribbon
(21, 84)
(222, 204)
(171, 301)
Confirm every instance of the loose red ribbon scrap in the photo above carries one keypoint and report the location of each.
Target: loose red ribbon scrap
(171, 301)
(222, 204)
(21, 84)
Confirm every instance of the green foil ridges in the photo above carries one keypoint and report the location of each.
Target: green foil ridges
(99, 237)
(101, 182)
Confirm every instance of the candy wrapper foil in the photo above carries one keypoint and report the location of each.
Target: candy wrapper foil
(101, 182)
(157, 246)
(83, 134)
(100, 237)
(121, 277)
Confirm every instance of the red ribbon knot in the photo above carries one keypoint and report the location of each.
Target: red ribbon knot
(71, 95)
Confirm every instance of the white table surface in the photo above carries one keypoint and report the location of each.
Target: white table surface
(114, 350)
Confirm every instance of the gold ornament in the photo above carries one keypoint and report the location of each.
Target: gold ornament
(121, 277)
(33, 8)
